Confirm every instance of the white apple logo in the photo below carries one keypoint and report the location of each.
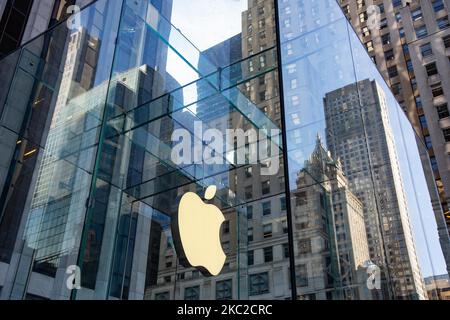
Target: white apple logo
(196, 233)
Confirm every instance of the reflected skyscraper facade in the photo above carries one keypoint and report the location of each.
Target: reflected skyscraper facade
(358, 123)
(103, 189)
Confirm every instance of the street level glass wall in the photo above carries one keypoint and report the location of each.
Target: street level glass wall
(357, 189)
(104, 189)
(89, 181)
(51, 119)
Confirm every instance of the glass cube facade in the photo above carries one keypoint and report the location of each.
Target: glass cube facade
(321, 185)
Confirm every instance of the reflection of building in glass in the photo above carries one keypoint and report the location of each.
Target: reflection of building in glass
(350, 234)
(55, 212)
(438, 287)
(267, 228)
(359, 133)
(262, 222)
(328, 231)
(105, 188)
(411, 52)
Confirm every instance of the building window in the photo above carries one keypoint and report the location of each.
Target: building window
(443, 23)
(258, 284)
(396, 3)
(301, 199)
(434, 164)
(224, 290)
(267, 230)
(250, 234)
(12, 25)
(249, 41)
(286, 250)
(392, 72)
(285, 226)
(250, 257)
(248, 192)
(426, 50)
(283, 203)
(291, 68)
(446, 41)
(436, 90)
(431, 69)
(266, 208)
(250, 212)
(249, 172)
(421, 32)
(409, 65)
(226, 227)
(428, 143)
(396, 88)
(192, 293)
(398, 17)
(226, 246)
(369, 46)
(386, 39)
(401, 32)
(268, 254)
(281, 182)
(383, 23)
(446, 133)
(360, 3)
(365, 32)
(301, 275)
(438, 5)
(389, 55)
(262, 97)
(442, 111)
(423, 122)
(405, 48)
(162, 295)
(418, 100)
(261, 11)
(362, 17)
(346, 9)
(414, 83)
(265, 187)
(416, 14)
(304, 246)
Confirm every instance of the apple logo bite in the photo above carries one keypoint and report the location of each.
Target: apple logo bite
(196, 233)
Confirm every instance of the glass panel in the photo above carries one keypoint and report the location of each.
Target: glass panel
(110, 126)
(162, 84)
(56, 103)
(357, 208)
(399, 186)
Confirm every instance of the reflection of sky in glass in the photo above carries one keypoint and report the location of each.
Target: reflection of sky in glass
(222, 18)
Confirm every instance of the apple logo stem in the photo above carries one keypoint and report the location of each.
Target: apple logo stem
(196, 233)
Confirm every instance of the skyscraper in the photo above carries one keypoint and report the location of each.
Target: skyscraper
(329, 231)
(92, 187)
(409, 48)
(358, 131)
